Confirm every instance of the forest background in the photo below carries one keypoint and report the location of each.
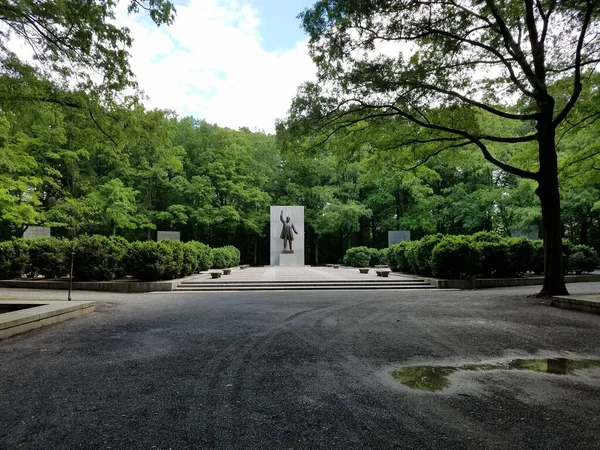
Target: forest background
(77, 153)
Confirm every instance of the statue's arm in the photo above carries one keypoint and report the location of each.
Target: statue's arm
(281, 217)
(294, 228)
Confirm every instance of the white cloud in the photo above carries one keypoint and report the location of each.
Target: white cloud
(210, 64)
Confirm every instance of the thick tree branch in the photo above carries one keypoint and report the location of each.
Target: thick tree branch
(490, 109)
(515, 50)
(577, 86)
(437, 152)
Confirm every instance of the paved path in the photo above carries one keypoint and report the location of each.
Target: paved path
(298, 274)
(298, 370)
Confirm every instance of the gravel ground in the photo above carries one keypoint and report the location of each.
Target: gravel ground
(283, 370)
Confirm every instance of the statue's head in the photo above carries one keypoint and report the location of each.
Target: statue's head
(287, 219)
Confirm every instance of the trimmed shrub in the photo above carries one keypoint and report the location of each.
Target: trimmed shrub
(537, 257)
(224, 257)
(520, 254)
(203, 255)
(487, 236)
(421, 253)
(385, 256)
(358, 256)
(14, 256)
(96, 258)
(121, 247)
(583, 259)
(175, 266)
(410, 255)
(455, 257)
(236, 255)
(391, 257)
(48, 256)
(190, 260)
(148, 260)
(567, 250)
(400, 258)
(378, 256)
(494, 258)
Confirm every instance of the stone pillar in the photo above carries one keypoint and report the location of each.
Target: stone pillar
(171, 235)
(36, 232)
(296, 215)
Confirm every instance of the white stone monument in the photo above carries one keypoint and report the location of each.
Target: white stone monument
(296, 215)
(36, 232)
(395, 237)
(172, 235)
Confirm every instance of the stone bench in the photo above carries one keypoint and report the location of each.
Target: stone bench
(364, 270)
(382, 266)
(382, 272)
(216, 273)
(226, 271)
(336, 266)
(244, 266)
(329, 265)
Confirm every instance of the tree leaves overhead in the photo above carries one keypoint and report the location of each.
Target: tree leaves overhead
(77, 41)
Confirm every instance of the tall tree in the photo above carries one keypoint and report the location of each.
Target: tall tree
(435, 62)
(74, 40)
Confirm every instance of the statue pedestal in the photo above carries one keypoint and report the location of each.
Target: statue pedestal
(287, 260)
(296, 215)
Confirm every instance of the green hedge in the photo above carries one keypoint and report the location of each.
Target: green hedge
(148, 260)
(14, 258)
(97, 258)
(48, 256)
(455, 257)
(102, 258)
(482, 254)
(203, 255)
(223, 257)
(583, 259)
(359, 256)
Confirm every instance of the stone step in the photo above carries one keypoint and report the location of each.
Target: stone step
(258, 282)
(305, 286)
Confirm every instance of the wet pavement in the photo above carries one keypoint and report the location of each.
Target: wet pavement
(304, 370)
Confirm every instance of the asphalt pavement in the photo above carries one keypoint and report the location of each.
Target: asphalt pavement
(299, 370)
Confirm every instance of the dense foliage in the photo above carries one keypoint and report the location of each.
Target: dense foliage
(483, 255)
(100, 258)
(75, 159)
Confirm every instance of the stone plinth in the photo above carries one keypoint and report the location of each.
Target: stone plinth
(395, 237)
(296, 214)
(36, 232)
(171, 235)
(287, 260)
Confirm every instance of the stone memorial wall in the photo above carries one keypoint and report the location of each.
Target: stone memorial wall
(296, 215)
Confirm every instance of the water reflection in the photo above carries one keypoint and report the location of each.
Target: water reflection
(435, 378)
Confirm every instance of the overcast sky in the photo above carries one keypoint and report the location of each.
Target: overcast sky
(236, 63)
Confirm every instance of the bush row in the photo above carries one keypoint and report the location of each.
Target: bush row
(482, 254)
(364, 257)
(102, 258)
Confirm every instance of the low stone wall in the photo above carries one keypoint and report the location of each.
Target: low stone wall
(106, 286)
(585, 303)
(46, 313)
(484, 283)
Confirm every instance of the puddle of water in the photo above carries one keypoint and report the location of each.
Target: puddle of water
(11, 307)
(435, 378)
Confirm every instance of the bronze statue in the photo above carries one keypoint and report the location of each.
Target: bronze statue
(286, 233)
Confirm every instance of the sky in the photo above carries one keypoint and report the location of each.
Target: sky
(236, 63)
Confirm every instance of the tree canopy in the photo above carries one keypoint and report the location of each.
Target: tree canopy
(435, 69)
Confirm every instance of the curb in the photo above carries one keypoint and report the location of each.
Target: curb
(43, 314)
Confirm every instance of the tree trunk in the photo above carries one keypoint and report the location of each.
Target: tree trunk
(373, 232)
(585, 226)
(255, 250)
(547, 191)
